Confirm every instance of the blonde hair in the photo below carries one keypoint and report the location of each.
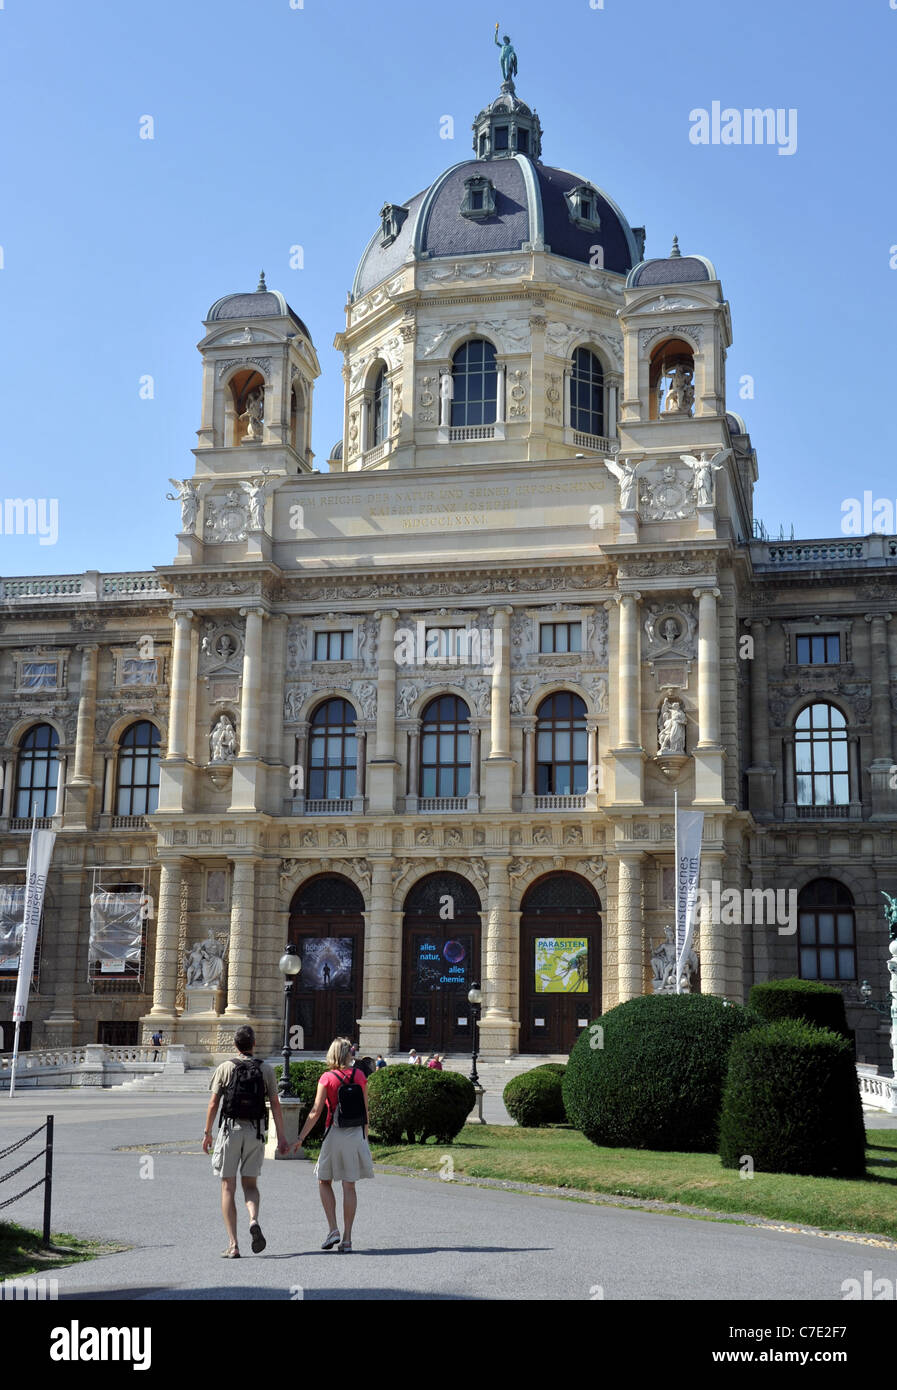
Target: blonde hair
(338, 1052)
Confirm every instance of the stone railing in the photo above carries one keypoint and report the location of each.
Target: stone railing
(875, 551)
(877, 1092)
(94, 1064)
(90, 587)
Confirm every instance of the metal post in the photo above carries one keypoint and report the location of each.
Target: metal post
(285, 1088)
(48, 1179)
(473, 1070)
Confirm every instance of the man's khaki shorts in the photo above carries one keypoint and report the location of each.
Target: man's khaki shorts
(237, 1148)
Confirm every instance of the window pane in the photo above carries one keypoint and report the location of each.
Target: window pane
(846, 965)
(807, 928)
(826, 923)
(562, 637)
(428, 782)
(581, 745)
(446, 781)
(464, 748)
(561, 746)
(576, 637)
(429, 748)
(803, 650)
(546, 636)
(808, 963)
(839, 756)
(842, 790)
(827, 965)
(320, 646)
(802, 755)
(463, 783)
(821, 759)
(333, 787)
(349, 782)
(845, 928)
(580, 778)
(804, 797)
(316, 784)
(544, 746)
(818, 646)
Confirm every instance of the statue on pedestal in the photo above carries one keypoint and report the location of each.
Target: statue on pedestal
(626, 474)
(223, 741)
(663, 966)
(671, 724)
(255, 409)
(891, 915)
(508, 59)
(188, 497)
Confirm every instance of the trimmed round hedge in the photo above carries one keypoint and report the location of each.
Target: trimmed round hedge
(535, 1097)
(304, 1078)
(817, 1004)
(418, 1103)
(791, 1103)
(657, 1080)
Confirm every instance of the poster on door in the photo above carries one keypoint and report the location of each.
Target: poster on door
(562, 965)
(326, 962)
(441, 963)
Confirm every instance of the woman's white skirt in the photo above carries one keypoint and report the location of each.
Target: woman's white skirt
(345, 1156)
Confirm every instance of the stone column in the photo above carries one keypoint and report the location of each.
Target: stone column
(379, 1025)
(167, 965)
(790, 789)
(383, 766)
(883, 798)
(628, 672)
(360, 763)
(529, 757)
(179, 699)
(711, 942)
(500, 401)
(81, 787)
(500, 764)
(855, 784)
(498, 1030)
(413, 767)
(709, 755)
(60, 784)
(594, 783)
(630, 935)
(239, 959)
(251, 694)
(474, 760)
(109, 784)
(301, 793)
(761, 774)
(9, 777)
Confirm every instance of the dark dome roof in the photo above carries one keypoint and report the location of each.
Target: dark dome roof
(261, 304)
(530, 209)
(671, 270)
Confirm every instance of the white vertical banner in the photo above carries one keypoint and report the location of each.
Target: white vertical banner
(689, 829)
(39, 855)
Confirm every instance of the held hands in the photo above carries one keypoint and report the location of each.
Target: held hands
(283, 1145)
(297, 1146)
(206, 1143)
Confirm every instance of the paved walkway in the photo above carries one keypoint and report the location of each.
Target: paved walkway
(416, 1239)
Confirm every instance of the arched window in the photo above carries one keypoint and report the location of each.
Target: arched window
(826, 931)
(445, 748)
(587, 393)
(298, 424)
(561, 746)
(671, 379)
(137, 785)
(332, 752)
(37, 772)
(475, 383)
(379, 409)
(820, 757)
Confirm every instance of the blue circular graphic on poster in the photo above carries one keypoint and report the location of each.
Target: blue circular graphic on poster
(454, 952)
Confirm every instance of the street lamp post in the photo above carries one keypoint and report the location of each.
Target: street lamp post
(475, 1000)
(289, 965)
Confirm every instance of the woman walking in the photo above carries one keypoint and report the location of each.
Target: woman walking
(345, 1156)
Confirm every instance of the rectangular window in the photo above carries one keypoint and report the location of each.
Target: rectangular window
(39, 675)
(501, 137)
(334, 646)
(476, 201)
(560, 637)
(586, 210)
(523, 141)
(819, 649)
(446, 644)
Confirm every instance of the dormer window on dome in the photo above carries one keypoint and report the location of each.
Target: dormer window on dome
(391, 218)
(479, 198)
(582, 203)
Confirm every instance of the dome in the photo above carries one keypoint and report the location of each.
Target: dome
(536, 206)
(261, 304)
(674, 269)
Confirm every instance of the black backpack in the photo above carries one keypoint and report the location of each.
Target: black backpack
(350, 1111)
(246, 1094)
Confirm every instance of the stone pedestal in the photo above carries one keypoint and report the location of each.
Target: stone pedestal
(294, 1113)
(498, 781)
(381, 781)
(203, 1002)
(627, 525)
(707, 520)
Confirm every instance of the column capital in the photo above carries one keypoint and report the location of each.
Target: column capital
(755, 622)
(628, 593)
(495, 609)
(89, 648)
(382, 613)
(187, 614)
(871, 617)
(253, 612)
(709, 592)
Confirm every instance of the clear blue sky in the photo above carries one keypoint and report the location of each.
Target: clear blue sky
(276, 126)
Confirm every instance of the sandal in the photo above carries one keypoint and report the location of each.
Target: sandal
(345, 1247)
(258, 1240)
(332, 1239)
(231, 1253)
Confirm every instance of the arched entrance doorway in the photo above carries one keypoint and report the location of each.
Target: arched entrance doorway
(560, 962)
(440, 961)
(327, 931)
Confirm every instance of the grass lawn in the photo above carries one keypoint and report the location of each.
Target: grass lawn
(21, 1251)
(561, 1157)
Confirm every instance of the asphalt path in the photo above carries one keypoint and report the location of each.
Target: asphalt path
(128, 1171)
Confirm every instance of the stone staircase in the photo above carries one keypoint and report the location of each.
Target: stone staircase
(494, 1076)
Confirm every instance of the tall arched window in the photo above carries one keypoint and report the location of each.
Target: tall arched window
(820, 757)
(37, 772)
(587, 393)
(379, 409)
(562, 767)
(137, 785)
(826, 931)
(332, 752)
(445, 748)
(475, 383)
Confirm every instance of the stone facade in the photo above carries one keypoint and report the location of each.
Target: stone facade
(613, 566)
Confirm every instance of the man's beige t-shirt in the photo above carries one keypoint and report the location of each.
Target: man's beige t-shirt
(221, 1079)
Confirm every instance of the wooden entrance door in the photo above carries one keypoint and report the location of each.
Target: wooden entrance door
(440, 962)
(327, 932)
(560, 962)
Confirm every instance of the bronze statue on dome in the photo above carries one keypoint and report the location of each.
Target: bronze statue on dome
(508, 60)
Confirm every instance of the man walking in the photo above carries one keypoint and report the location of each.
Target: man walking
(242, 1086)
(157, 1043)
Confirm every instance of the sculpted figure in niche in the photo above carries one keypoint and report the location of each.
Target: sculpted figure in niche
(626, 474)
(255, 409)
(680, 392)
(671, 727)
(703, 469)
(670, 630)
(255, 493)
(446, 395)
(223, 741)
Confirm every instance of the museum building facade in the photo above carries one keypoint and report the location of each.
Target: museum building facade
(424, 714)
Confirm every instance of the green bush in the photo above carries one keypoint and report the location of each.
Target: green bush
(792, 1104)
(534, 1097)
(656, 1079)
(817, 1004)
(559, 1067)
(304, 1078)
(418, 1103)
